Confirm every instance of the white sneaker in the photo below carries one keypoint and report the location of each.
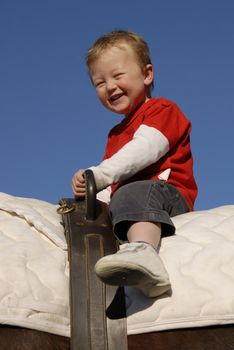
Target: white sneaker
(136, 264)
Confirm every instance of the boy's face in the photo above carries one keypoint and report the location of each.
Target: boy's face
(120, 82)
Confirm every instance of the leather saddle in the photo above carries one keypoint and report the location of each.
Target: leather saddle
(98, 316)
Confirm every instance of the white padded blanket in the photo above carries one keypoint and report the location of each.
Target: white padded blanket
(34, 271)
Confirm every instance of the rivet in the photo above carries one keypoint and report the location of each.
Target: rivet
(79, 223)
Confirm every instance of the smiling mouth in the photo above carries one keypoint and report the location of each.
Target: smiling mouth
(115, 97)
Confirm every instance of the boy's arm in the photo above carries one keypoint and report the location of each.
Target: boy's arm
(79, 188)
(147, 147)
(105, 195)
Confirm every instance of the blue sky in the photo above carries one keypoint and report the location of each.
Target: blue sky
(51, 120)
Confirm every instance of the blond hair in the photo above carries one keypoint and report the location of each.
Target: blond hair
(115, 39)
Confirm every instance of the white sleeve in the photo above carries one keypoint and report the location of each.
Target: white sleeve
(105, 195)
(147, 147)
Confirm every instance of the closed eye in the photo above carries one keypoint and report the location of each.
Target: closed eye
(118, 75)
(99, 83)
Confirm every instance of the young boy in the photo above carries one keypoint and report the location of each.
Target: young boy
(147, 171)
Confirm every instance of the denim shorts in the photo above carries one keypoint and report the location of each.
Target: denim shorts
(149, 200)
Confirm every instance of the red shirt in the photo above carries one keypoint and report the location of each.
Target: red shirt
(164, 116)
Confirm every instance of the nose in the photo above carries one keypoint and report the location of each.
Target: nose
(111, 85)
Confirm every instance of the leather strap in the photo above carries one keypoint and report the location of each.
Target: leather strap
(97, 310)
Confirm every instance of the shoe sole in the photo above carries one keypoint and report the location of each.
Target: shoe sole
(131, 275)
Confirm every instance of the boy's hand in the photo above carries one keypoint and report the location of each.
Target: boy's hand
(78, 183)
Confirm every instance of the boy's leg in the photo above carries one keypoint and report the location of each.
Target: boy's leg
(139, 212)
(135, 209)
(149, 232)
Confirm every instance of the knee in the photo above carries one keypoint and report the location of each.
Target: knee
(124, 192)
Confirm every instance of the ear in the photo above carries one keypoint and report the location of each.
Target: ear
(149, 74)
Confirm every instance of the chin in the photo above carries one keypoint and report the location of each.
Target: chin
(119, 110)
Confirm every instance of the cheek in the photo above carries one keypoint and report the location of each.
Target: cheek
(102, 97)
(133, 83)
(124, 83)
(101, 94)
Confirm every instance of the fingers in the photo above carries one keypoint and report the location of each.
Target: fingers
(78, 183)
